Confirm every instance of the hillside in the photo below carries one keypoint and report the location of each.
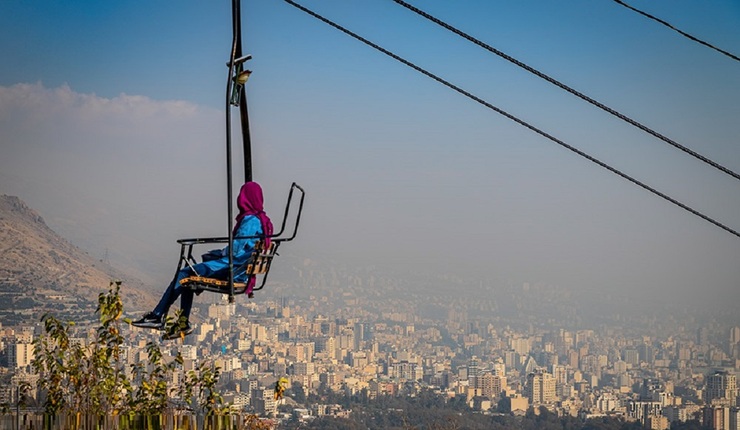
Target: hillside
(42, 272)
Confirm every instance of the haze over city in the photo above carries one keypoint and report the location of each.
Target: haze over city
(112, 127)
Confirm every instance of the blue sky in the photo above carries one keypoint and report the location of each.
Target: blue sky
(111, 125)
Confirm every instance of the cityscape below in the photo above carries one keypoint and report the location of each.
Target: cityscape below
(503, 350)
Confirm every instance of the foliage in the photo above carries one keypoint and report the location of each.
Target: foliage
(150, 398)
(93, 382)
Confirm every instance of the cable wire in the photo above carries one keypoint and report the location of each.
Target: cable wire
(569, 89)
(511, 117)
(656, 19)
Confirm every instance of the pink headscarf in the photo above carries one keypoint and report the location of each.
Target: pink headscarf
(251, 202)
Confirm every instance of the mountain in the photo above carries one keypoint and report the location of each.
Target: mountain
(42, 272)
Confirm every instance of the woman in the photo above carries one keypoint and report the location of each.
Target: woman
(251, 223)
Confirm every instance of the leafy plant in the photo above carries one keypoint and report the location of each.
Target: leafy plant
(85, 385)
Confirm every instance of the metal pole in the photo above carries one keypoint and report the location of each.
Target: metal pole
(235, 53)
(246, 138)
(243, 111)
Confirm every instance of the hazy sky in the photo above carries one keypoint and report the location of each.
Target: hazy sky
(112, 126)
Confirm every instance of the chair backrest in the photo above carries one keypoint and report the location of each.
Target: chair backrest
(259, 262)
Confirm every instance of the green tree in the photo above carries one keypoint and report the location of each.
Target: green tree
(88, 384)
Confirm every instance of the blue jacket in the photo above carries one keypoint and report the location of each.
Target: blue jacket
(249, 230)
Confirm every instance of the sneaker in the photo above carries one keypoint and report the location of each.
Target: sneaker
(177, 331)
(150, 320)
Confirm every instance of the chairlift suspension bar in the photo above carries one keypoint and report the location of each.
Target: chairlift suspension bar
(235, 52)
(243, 111)
(236, 88)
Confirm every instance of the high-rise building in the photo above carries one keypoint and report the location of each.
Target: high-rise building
(521, 345)
(489, 384)
(326, 344)
(540, 388)
(560, 373)
(735, 418)
(257, 332)
(734, 342)
(648, 387)
(359, 332)
(646, 353)
(716, 417)
(24, 335)
(303, 368)
(222, 311)
(499, 368)
(631, 356)
(263, 400)
(657, 422)
(346, 341)
(721, 389)
(511, 359)
(701, 336)
(20, 354)
(573, 359)
(607, 402)
(358, 359)
(473, 367)
(735, 335)
(297, 351)
(642, 410)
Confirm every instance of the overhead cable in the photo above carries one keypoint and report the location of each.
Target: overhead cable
(569, 89)
(511, 117)
(656, 19)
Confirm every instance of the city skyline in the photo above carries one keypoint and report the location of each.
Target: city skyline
(360, 340)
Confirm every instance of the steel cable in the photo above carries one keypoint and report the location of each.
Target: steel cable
(569, 89)
(511, 117)
(683, 33)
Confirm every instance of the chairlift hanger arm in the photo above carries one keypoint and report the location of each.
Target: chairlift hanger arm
(233, 86)
(235, 68)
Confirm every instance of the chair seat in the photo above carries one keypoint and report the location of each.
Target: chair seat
(259, 265)
(211, 284)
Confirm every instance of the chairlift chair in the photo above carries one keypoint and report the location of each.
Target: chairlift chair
(257, 265)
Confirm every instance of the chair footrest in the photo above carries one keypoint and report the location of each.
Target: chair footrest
(211, 284)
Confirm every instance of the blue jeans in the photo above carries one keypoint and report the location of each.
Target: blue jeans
(175, 290)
